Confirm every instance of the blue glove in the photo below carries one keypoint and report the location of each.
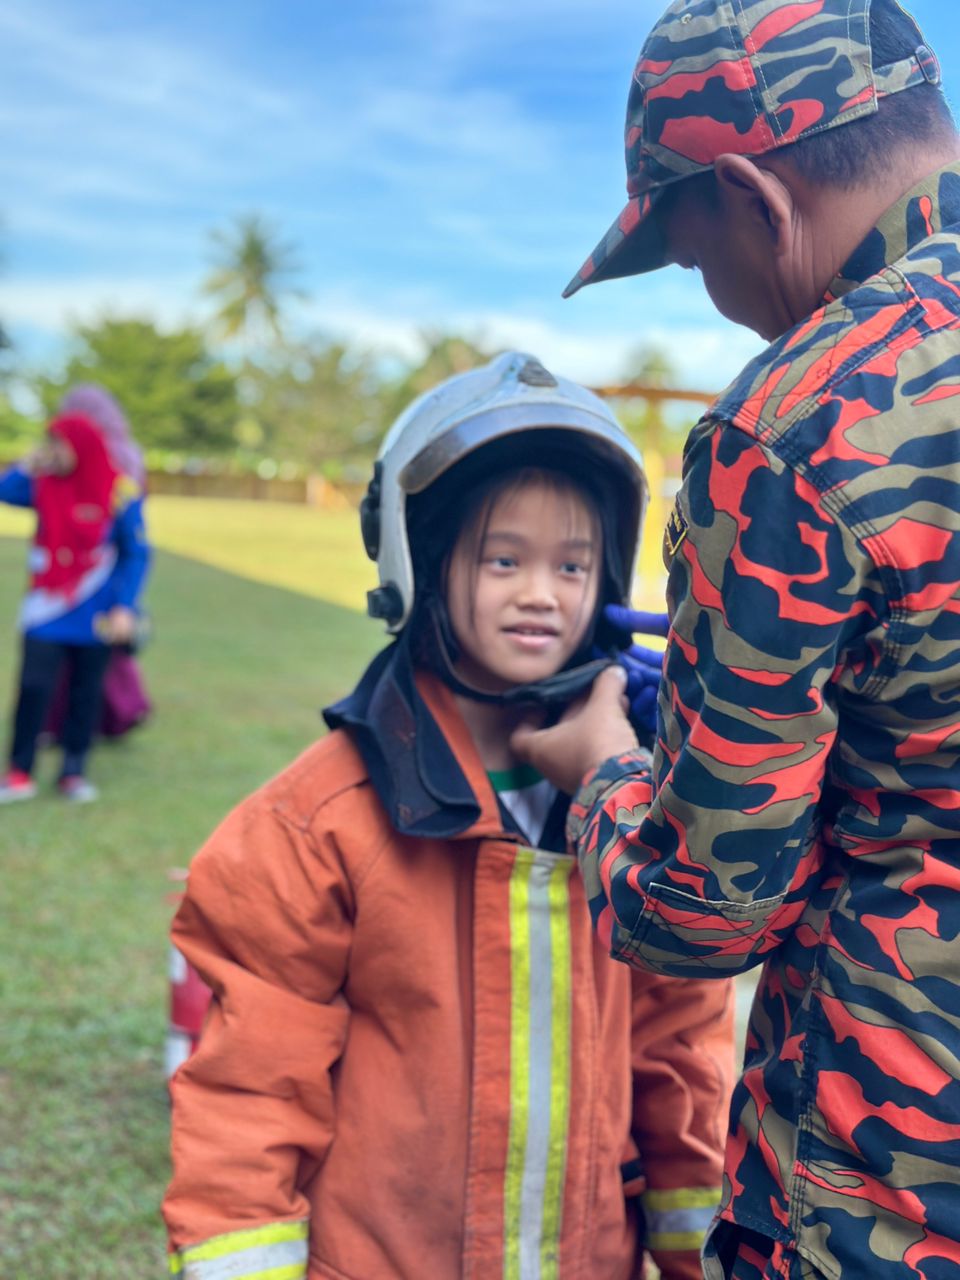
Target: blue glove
(637, 621)
(643, 666)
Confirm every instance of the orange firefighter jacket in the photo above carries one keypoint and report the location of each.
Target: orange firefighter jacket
(420, 1063)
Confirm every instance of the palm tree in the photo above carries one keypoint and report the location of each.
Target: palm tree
(651, 365)
(250, 279)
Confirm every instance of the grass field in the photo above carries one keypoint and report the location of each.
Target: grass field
(237, 671)
(318, 553)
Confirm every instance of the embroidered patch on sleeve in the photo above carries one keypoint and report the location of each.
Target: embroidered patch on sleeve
(674, 533)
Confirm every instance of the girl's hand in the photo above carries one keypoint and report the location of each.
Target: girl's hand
(54, 456)
(31, 463)
(119, 626)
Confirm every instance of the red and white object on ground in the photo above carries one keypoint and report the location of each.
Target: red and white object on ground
(189, 1000)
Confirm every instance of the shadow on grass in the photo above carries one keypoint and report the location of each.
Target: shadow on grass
(238, 672)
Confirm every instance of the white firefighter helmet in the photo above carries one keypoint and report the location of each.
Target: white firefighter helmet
(512, 399)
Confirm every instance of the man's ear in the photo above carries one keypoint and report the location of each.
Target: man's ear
(756, 197)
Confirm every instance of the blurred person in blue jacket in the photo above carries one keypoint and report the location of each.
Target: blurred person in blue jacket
(88, 564)
(125, 702)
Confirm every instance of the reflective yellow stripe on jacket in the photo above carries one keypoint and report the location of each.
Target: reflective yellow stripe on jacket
(274, 1252)
(540, 1019)
(678, 1219)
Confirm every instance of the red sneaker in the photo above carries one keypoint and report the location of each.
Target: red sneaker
(16, 785)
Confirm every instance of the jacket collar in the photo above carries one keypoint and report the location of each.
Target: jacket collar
(417, 750)
(923, 212)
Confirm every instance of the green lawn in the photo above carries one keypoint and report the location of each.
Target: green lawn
(238, 670)
(318, 553)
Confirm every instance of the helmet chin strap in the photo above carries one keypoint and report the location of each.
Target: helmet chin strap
(552, 692)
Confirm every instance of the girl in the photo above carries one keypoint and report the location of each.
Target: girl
(124, 702)
(88, 563)
(418, 1062)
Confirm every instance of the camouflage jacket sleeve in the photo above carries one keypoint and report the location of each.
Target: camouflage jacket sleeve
(704, 860)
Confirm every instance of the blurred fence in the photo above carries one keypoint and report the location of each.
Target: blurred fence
(662, 466)
(314, 491)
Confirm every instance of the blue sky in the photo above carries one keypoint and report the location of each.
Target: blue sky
(438, 163)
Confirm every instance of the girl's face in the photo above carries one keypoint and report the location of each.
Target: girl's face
(522, 585)
(55, 456)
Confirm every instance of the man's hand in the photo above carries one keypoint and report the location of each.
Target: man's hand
(591, 731)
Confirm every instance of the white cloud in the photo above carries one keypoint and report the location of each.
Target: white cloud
(705, 350)
(51, 307)
(707, 354)
(420, 177)
(122, 115)
(458, 127)
(125, 70)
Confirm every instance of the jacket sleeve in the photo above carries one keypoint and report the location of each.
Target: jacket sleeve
(16, 488)
(705, 862)
(266, 921)
(133, 554)
(683, 1068)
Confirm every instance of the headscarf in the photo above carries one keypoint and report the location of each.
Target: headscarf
(92, 401)
(74, 512)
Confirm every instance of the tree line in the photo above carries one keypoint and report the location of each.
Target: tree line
(242, 390)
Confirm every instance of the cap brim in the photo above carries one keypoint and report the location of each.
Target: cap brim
(632, 246)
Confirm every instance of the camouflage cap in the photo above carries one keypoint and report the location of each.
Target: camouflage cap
(744, 77)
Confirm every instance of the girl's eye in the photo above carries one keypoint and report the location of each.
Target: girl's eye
(572, 567)
(502, 562)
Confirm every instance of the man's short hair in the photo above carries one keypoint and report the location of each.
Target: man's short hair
(847, 157)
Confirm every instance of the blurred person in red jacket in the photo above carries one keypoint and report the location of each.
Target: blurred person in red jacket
(88, 563)
(125, 702)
